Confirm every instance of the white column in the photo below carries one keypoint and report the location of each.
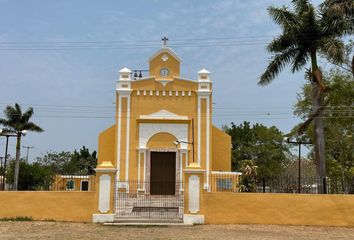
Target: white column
(127, 144)
(123, 89)
(182, 151)
(140, 151)
(119, 136)
(207, 141)
(139, 168)
(199, 129)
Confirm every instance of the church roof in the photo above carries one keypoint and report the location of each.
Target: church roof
(168, 50)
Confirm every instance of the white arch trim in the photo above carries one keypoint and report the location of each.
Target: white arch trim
(147, 130)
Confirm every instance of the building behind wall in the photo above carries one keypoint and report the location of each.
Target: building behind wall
(163, 127)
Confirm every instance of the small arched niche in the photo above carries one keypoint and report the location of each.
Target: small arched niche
(162, 140)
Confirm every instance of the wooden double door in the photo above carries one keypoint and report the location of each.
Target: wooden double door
(163, 173)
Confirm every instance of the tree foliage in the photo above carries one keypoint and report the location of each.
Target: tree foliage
(261, 144)
(80, 162)
(39, 175)
(33, 176)
(339, 116)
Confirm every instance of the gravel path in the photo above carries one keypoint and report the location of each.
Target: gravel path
(60, 230)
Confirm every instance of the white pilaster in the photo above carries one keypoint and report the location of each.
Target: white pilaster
(123, 89)
(199, 129)
(127, 144)
(204, 92)
(182, 151)
(119, 135)
(207, 142)
(104, 193)
(194, 192)
(140, 151)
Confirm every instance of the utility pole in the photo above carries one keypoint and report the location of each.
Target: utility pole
(28, 148)
(299, 142)
(7, 135)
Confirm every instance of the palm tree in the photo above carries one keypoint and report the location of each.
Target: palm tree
(17, 122)
(342, 9)
(306, 33)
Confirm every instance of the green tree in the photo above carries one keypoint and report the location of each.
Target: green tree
(339, 115)
(33, 176)
(80, 162)
(57, 161)
(306, 33)
(261, 144)
(18, 122)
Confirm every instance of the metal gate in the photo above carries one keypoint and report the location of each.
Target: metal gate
(134, 201)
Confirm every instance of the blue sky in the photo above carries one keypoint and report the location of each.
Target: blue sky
(78, 84)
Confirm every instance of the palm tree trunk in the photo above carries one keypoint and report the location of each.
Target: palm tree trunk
(318, 102)
(17, 163)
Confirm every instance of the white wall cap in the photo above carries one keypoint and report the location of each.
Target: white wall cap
(203, 71)
(125, 70)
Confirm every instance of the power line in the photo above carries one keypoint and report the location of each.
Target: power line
(82, 45)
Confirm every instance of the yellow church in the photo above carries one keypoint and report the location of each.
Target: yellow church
(163, 148)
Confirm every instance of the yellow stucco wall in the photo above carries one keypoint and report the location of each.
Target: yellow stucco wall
(106, 145)
(172, 64)
(221, 145)
(59, 206)
(292, 209)
(162, 140)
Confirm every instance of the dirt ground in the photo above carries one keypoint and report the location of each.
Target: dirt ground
(59, 230)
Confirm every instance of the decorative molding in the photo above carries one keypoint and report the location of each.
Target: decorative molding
(226, 173)
(191, 170)
(204, 93)
(164, 57)
(105, 170)
(164, 82)
(163, 114)
(124, 92)
(164, 93)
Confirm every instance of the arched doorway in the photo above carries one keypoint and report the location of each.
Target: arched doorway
(163, 164)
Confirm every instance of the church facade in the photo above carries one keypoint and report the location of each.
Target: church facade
(163, 133)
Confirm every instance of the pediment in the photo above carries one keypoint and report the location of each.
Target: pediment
(164, 115)
(165, 50)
